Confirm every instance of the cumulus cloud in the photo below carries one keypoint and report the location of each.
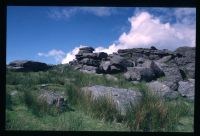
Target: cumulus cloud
(58, 55)
(148, 30)
(71, 55)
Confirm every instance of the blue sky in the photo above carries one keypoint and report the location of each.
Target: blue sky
(54, 34)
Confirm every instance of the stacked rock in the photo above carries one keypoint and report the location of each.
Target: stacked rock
(88, 61)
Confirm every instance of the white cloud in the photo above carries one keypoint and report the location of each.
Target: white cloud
(65, 13)
(148, 30)
(58, 55)
(71, 55)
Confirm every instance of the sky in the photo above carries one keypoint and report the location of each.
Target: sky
(54, 34)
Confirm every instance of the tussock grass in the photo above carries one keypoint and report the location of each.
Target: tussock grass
(153, 114)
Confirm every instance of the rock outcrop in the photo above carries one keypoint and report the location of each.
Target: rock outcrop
(27, 66)
(142, 64)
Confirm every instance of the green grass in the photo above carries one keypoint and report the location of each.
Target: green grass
(25, 112)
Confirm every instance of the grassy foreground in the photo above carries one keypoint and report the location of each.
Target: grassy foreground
(24, 112)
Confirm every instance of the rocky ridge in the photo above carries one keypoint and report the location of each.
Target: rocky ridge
(166, 70)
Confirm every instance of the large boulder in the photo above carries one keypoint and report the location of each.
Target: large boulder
(118, 60)
(27, 66)
(121, 97)
(114, 64)
(161, 90)
(187, 62)
(172, 74)
(139, 74)
(105, 66)
(186, 51)
(187, 89)
(86, 50)
(146, 70)
(90, 62)
(89, 69)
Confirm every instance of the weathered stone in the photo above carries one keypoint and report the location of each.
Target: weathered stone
(105, 66)
(139, 74)
(187, 89)
(121, 97)
(90, 62)
(86, 49)
(118, 60)
(89, 69)
(101, 55)
(186, 51)
(115, 68)
(52, 98)
(27, 66)
(161, 90)
(172, 74)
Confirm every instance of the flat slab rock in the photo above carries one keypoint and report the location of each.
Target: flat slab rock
(121, 97)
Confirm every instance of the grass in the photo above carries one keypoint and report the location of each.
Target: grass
(25, 112)
(153, 114)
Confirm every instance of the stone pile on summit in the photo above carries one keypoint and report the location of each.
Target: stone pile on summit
(170, 69)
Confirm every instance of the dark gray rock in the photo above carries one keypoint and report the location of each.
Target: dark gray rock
(187, 89)
(118, 60)
(121, 97)
(115, 69)
(186, 51)
(146, 70)
(90, 62)
(172, 75)
(187, 62)
(139, 74)
(27, 66)
(157, 70)
(89, 69)
(153, 48)
(102, 55)
(115, 64)
(86, 49)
